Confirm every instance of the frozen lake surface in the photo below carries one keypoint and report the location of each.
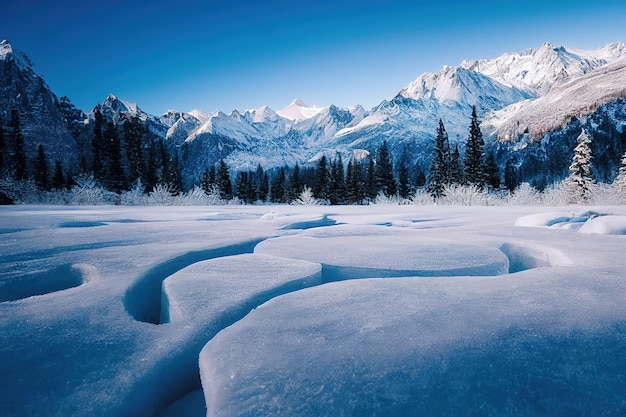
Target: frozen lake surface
(312, 311)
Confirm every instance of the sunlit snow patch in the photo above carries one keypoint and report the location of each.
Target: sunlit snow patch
(608, 225)
(559, 220)
(400, 255)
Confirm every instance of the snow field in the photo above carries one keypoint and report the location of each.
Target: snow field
(155, 285)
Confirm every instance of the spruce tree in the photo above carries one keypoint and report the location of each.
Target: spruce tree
(322, 183)
(510, 176)
(277, 189)
(295, 183)
(114, 178)
(579, 185)
(133, 134)
(19, 153)
(456, 168)
(2, 150)
(620, 181)
(58, 180)
(404, 186)
(41, 169)
(385, 180)
(492, 172)
(97, 143)
(474, 170)
(151, 175)
(439, 175)
(223, 181)
(262, 183)
(337, 181)
(372, 186)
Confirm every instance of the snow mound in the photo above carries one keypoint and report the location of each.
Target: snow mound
(234, 283)
(608, 225)
(407, 347)
(401, 255)
(559, 220)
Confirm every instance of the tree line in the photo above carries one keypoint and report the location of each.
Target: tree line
(122, 154)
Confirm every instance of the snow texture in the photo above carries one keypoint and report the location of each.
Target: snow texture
(368, 310)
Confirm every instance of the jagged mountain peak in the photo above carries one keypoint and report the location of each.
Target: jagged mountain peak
(297, 111)
(7, 53)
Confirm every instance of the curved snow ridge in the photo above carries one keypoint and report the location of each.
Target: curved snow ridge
(524, 256)
(404, 347)
(46, 282)
(344, 257)
(143, 299)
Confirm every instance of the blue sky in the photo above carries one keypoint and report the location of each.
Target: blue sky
(238, 55)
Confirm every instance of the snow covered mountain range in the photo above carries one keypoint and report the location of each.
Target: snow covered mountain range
(518, 95)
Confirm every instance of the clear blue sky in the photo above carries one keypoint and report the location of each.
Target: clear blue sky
(227, 55)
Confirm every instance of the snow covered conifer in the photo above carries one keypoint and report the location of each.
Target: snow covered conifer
(620, 181)
(579, 185)
(439, 175)
(474, 170)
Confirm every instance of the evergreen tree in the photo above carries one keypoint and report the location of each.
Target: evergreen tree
(620, 181)
(151, 175)
(295, 184)
(114, 178)
(322, 183)
(337, 181)
(97, 143)
(223, 181)
(420, 178)
(175, 179)
(19, 153)
(474, 170)
(277, 189)
(133, 133)
(579, 184)
(262, 184)
(208, 179)
(372, 186)
(2, 150)
(456, 169)
(510, 176)
(385, 180)
(58, 180)
(404, 186)
(439, 175)
(41, 169)
(492, 172)
(243, 185)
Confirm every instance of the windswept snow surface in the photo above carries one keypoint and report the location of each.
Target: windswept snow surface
(379, 310)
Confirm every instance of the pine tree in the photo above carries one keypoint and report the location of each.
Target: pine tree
(2, 150)
(337, 181)
(474, 170)
(151, 175)
(243, 186)
(208, 179)
(492, 172)
(58, 181)
(510, 176)
(277, 189)
(404, 186)
(439, 175)
(97, 143)
(41, 169)
(295, 184)
(372, 187)
(322, 183)
(133, 133)
(620, 181)
(385, 180)
(223, 181)
(456, 169)
(579, 184)
(19, 153)
(262, 184)
(114, 178)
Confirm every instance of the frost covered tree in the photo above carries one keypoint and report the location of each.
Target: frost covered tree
(620, 181)
(474, 170)
(439, 175)
(579, 185)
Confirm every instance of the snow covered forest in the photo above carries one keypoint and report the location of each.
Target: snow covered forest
(471, 179)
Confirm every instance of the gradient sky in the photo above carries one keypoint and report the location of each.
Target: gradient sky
(226, 55)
